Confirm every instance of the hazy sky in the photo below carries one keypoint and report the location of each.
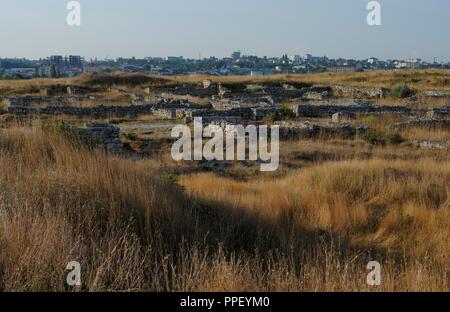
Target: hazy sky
(112, 28)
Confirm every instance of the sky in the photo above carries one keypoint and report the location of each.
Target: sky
(193, 28)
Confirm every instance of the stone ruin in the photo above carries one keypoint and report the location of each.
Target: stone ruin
(423, 123)
(24, 102)
(439, 113)
(104, 136)
(437, 94)
(327, 111)
(354, 92)
(206, 83)
(342, 117)
(431, 144)
(308, 130)
(68, 90)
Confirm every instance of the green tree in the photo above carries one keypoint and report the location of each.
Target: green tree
(53, 72)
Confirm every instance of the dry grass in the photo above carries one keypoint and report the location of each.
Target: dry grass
(439, 135)
(132, 229)
(417, 79)
(400, 208)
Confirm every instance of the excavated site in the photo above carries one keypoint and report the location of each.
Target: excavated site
(136, 120)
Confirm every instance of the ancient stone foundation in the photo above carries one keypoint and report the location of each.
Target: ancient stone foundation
(104, 136)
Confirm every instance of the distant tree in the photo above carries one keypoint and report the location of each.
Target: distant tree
(53, 72)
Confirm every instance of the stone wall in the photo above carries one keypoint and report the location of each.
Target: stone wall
(431, 144)
(306, 130)
(353, 92)
(437, 94)
(105, 136)
(30, 101)
(327, 111)
(439, 113)
(423, 123)
(94, 112)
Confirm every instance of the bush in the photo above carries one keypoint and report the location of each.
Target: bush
(382, 138)
(285, 113)
(401, 91)
(57, 127)
(68, 131)
(269, 119)
(370, 119)
(394, 138)
(131, 136)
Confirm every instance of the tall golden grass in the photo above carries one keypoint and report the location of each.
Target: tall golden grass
(401, 209)
(132, 229)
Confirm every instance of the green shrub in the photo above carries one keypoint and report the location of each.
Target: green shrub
(68, 131)
(269, 119)
(382, 138)
(394, 138)
(284, 113)
(401, 91)
(170, 178)
(57, 127)
(370, 119)
(131, 136)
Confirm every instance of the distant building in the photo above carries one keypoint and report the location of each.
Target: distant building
(22, 72)
(175, 59)
(132, 69)
(297, 59)
(341, 69)
(373, 61)
(57, 60)
(75, 61)
(255, 73)
(408, 64)
(236, 55)
(413, 63)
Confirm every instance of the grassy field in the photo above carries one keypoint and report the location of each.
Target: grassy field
(132, 228)
(420, 80)
(147, 223)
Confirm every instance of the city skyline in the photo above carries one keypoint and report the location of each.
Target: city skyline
(112, 29)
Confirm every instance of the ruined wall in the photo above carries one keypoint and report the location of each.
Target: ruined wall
(105, 136)
(423, 123)
(439, 113)
(94, 112)
(307, 130)
(327, 111)
(353, 92)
